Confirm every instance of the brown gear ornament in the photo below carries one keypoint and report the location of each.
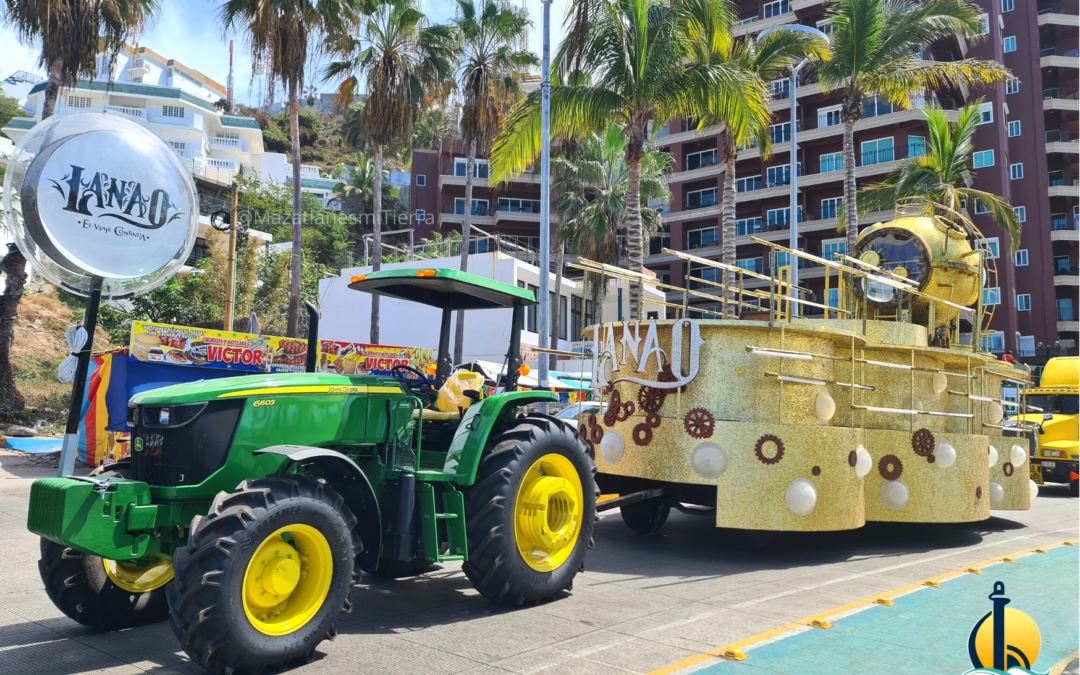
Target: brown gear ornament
(596, 433)
(922, 442)
(665, 375)
(759, 449)
(699, 423)
(652, 420)
(651, 399)
(642, 434)
(890, 467)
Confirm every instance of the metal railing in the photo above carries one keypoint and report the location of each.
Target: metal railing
(127, 110)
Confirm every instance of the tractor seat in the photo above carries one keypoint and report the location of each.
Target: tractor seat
(437, 415)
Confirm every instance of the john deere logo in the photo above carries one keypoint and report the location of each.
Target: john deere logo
(1005, 639)
(138, 445)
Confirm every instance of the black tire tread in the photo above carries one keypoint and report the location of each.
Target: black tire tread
(487, 567)
(194, 594)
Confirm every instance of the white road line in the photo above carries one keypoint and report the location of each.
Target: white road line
(898, 566)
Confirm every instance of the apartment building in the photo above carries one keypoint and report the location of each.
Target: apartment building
(1025, 150)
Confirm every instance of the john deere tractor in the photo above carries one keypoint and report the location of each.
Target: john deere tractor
(250, 505)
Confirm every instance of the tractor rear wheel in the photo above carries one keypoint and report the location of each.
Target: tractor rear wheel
(264, 576)
(107, 594)
(531, 512)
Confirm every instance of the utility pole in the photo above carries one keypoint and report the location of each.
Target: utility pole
(230, 280)
(545, 202)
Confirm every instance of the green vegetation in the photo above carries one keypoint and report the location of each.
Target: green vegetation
(9, 107)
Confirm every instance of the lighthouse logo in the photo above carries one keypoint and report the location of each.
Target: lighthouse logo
(1004, 641)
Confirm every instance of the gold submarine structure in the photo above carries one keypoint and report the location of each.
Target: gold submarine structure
(882, 408)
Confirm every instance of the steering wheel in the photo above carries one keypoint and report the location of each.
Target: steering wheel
(420, 387)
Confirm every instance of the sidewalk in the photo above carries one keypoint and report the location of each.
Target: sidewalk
(926, 631)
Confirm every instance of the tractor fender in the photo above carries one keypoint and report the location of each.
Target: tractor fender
(467, 447)
(352, 484)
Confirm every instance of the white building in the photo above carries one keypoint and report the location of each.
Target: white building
(346, 314)
(176, 103)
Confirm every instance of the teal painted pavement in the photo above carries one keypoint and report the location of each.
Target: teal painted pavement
(926, 631)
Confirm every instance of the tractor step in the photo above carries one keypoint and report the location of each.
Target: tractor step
(453, 515)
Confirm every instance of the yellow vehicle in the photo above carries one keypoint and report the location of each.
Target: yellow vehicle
(1057, 395)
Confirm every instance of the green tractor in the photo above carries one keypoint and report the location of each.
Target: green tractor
(250, 505)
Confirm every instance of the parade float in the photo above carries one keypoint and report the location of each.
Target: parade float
(881, 409)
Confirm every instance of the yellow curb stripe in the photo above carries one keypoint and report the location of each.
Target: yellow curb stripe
(1064, 663)
(808, 621)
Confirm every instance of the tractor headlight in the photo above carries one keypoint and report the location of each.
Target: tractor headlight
(169, 416)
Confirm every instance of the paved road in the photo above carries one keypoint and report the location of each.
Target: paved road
(643, 604)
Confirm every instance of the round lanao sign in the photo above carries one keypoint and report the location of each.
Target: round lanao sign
(98, 196)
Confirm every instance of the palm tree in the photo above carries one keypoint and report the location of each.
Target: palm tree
(73, 32)
(592, 192)
(630, 63)
(359, 182)
(877, 51)
(400, 57)
(280, 34)
(489, 75)
(943, 174)
(765, 61)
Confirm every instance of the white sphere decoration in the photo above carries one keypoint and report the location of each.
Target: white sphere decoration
(801, 497)
(997, 493)
(940, 383)
(995, 412)
(894, 494)
(863, 462)
(993, 456)
(824, 407)
(1017, 455)
(612, 446)
(1033, 488)
(912, 403)
(944, 455)
(709, 461)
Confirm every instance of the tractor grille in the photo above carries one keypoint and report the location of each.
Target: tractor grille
(185, 451)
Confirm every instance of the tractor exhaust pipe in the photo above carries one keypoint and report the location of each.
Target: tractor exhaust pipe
(312, 337)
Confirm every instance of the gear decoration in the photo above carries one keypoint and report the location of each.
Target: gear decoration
(890, 467)
(621, 412)
(922, 442)
(852, 458)
(665, 375)
(978, 492)
(591, 419)
(816, 471)
(642, 434)
(610, 415)
(596, 433)
(759, 449)
(651, 399)
(930, 458)
(652, 420)
(1007, 468)
(629, 407)
(699, 423)
(583, 431)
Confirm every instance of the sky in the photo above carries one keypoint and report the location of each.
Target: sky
(187, 31)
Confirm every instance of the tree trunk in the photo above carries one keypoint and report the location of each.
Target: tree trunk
(52, 89)
(376, 225)
(13, 265)
(466, 227)
(851, 211)
(294, 287)
(599, 294)
(634, 236)
(731, 154)
(560, 260)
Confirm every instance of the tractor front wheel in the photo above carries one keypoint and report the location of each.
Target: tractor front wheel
(107, 594)
(264, 576)
(531, 512)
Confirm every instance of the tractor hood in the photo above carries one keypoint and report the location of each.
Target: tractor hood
(266, 385)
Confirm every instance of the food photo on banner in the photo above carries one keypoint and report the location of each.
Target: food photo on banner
(218, 349)
(358, 358)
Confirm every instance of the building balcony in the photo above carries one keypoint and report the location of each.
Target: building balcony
(1057, 99)
(1057, 14)
(1068, 327)
(1063, 190)
(1059, 57)
(306, 170)
(1065, 228)
(236, 145)
(1066, 273)
(507, 217)
(137, 67)
(127, 111)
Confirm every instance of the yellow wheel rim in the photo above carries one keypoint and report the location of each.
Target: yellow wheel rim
(136, 578)
(287, 579)
(548, 512)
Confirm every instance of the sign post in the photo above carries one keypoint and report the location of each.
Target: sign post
(101, 207)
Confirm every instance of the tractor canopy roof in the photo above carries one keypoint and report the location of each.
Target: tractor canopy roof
(443, 288)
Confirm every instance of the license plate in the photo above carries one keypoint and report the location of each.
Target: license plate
(1049, 465)
(1036, 474)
